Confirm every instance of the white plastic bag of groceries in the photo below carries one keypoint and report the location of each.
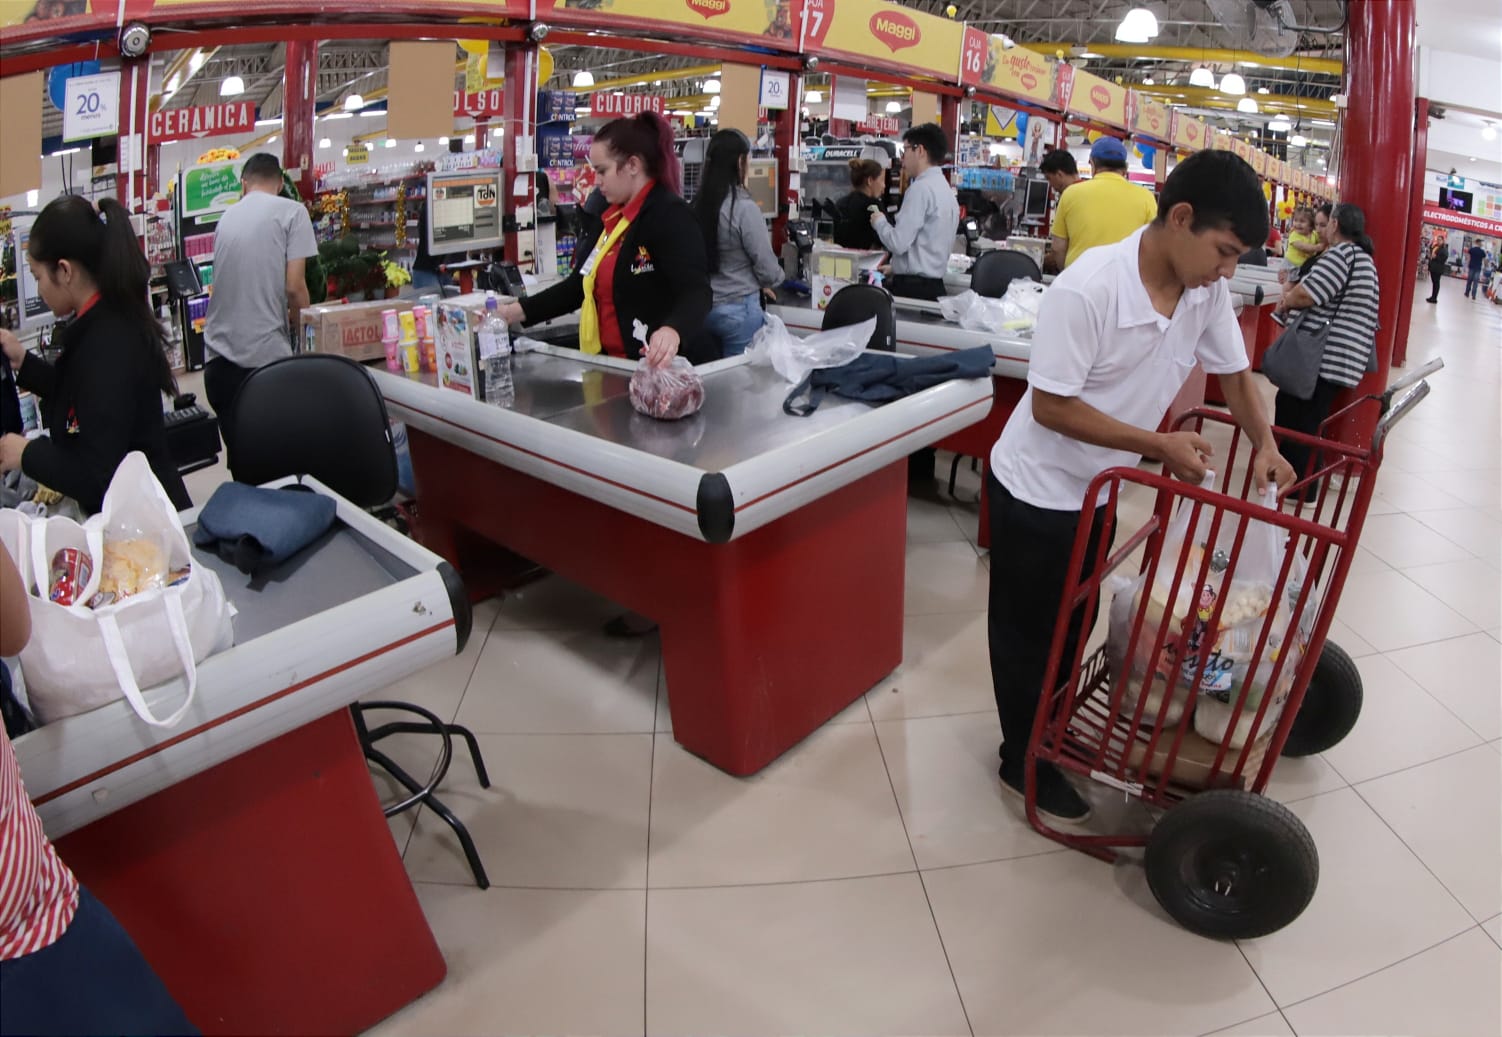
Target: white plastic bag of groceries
(156, 613)
(794, 357)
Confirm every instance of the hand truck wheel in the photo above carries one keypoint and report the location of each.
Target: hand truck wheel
(1331, 706)
(1231, 865)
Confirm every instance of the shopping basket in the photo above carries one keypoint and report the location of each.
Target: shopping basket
(1216, 663)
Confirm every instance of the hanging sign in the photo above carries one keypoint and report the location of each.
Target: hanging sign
(1149, 117)
(749, 21)
(91, 107)
(880, 124)
(485, 104)
(1019, 72)
(975, 50)
(1189, 134)
(775, 90)
(212, 187)
(1259, 161)
(867, 30)
(1097, 100)
(603, 105)
(1462, 221)
(210, 120)
(357, 155)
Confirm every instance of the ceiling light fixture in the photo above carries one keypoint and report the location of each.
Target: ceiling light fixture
(390, 142)
(419, 147)
(1202, 76)
(325, 143)
(813, 97)
(711, 86)
(893, 107)
(1263, 90)
(443, 142)
(1247, 106)
(1280, 124)
(1232, 83)
(232, 86)
(1139, 26)
(1147, 80)
(1488, 132)
(353, 103)
(1298, 140)
(583, 79)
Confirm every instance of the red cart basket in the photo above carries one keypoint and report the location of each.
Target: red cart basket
(1215, 664)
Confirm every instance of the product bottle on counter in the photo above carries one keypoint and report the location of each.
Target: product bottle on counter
(495, 354)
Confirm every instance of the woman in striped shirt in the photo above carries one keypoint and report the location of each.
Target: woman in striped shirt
(66, 966)
(1341, 287)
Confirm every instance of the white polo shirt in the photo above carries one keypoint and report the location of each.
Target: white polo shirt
(1099, 338)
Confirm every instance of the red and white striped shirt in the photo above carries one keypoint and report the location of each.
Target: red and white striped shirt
(38, 894)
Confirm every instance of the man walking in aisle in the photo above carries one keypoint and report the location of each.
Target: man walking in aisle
(261, 248)
(1117, 336)
(1476, 259)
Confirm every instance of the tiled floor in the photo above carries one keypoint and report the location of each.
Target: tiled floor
(875, 881)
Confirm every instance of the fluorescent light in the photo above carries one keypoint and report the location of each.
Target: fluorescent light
(893, 107)
(711, 86)
(584, 78)
(65, 151)
(469, 138)
(498, 131)
(1139, 26)
(372, 113)
(1263, 90)
(231, 86)
(1322, 122)
(271, 139)
(443, 142)
(1248, 106)
(1202, 76)
(390, 142)
(339, 115)
(1488, 132)
(353, 103)
(1232, 83)
(813, 97)
(269, 122)
(32, 197)
(325, 143)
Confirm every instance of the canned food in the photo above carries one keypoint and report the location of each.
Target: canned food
(71, 569)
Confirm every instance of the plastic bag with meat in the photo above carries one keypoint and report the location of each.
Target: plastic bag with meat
(667, 393)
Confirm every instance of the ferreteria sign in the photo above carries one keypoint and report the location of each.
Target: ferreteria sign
(211, 120)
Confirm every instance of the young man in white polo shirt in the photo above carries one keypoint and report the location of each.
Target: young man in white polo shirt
(1117, 336)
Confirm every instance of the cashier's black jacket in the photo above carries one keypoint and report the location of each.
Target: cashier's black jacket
(99, 403)
(852, 225)
(666, 287)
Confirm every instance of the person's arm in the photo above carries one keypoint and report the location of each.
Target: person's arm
(15, 609)
(567, 296)
(297, 292)
(899, 237)
(32, 372)
(1296, 297)
(758, 244)
(679, 254)
(1059, 232)
(1183, 453)
(1268, 465)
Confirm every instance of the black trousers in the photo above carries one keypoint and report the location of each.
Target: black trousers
(1030, 549)
(221, 384)
(1434, 276)
(1290, 412)
(912, 286)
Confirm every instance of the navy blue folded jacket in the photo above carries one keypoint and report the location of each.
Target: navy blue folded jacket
(255, 528)
(883, 377)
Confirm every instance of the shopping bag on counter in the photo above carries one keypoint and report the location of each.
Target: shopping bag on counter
(794, 357)
(667, 393)
(1229, 645)
(117, 603)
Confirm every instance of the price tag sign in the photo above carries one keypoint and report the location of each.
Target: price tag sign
(91, 107)
(775, 88)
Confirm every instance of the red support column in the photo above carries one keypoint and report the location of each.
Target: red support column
(787, 144)
(1377, 168)
(299, 100)
(1413, 243)
(518, 142)
(135, 93)
(949, 121)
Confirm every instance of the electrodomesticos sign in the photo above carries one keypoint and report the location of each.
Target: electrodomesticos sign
(206, 121)
(611, 105)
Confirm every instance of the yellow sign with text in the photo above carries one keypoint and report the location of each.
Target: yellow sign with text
(1023, 73)
(749, 19)
(1097, 100)
(358, 155)
(1189, 134)
(1259, 161)
(868, 30)
(1151, 117)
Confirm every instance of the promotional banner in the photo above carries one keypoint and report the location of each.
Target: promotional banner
(1097, 100)
(1149, 117)
(1219, 139)
(1189, 134)
(1258, 160)
(212, 187)
(1462, 221)
(762, 22)
(1242, 149)
(203, 121)
(1025, 74)
(609, 106)
(975, 50)
(862, 30)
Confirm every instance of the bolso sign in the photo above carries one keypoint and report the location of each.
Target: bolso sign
(624, 104)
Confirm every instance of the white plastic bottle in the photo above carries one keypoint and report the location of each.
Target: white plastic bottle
(495, 354)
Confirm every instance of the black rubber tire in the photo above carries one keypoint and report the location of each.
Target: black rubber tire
(1331, 706)
(1231, 865)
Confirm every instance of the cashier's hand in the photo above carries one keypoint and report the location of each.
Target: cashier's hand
(512, 312)
(1185, 454)
(1269, 466)
(661, 347)
(11, 447)
(12, 348)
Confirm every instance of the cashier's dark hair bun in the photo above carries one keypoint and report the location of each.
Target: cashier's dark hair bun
(1350, 220)
(648, 137)
(863, 169)
(104, 244)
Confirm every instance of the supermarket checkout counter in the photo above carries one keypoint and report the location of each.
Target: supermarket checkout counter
(245, 850)
(1255, 291)
(770, 549)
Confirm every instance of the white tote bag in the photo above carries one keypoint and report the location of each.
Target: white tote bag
(79, 658)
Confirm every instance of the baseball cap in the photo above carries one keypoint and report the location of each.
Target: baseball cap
(1108, 149)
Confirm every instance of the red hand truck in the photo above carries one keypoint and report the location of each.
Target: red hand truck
(1194, 697)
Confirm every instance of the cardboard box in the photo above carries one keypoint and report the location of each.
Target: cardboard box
(351, 329)
(833, 268)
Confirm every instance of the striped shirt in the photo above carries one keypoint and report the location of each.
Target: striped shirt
(1352, 316)
(38, 894)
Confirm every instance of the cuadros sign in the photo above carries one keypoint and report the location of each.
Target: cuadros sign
(612, 105)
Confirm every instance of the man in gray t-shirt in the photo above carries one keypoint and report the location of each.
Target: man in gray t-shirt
(261, 248)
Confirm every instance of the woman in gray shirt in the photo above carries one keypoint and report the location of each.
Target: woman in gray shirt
(741, 263)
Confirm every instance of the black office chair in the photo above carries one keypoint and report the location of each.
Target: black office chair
(857, 303)
(321, 415)
(994, 271)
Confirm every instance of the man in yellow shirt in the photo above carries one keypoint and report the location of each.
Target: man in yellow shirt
(1104, 209)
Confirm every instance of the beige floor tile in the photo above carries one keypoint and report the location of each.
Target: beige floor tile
(1493, 929)
(824, 810)
(855, 713)
(944, 578)
(1390, 611)
(1271, 1025)
(1411, 493)
(944, 770)
(929, 521)
(1402, 541)
(1400, 725)
(1449, 989)
(1376, 904)
(1471, 588)
(1355, 645)
(563, 811)
(563, 682)
(1449, 812)
(554, 603)
(524, 961)
(1472, 528)
(1480, 489)
(1462, 673)
(945, 669)
(855, 957)
(1065, 944)
(1300, 777)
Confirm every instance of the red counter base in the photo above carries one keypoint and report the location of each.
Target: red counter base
(763, 638)
(267, 892)
(978, 439)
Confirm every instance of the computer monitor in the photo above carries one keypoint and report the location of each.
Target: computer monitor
(1035, 201)
(761, 181)
(464, 211)
(1454, 200)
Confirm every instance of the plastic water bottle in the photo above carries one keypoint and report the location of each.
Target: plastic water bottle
(495, 354)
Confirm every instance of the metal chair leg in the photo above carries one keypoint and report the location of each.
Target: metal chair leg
(471, 854)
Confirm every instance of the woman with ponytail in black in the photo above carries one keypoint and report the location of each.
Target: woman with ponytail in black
(103, 398)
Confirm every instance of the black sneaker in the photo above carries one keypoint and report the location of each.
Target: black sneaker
(1057, 799)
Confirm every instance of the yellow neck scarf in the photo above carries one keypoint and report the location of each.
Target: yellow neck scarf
(589, 316)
